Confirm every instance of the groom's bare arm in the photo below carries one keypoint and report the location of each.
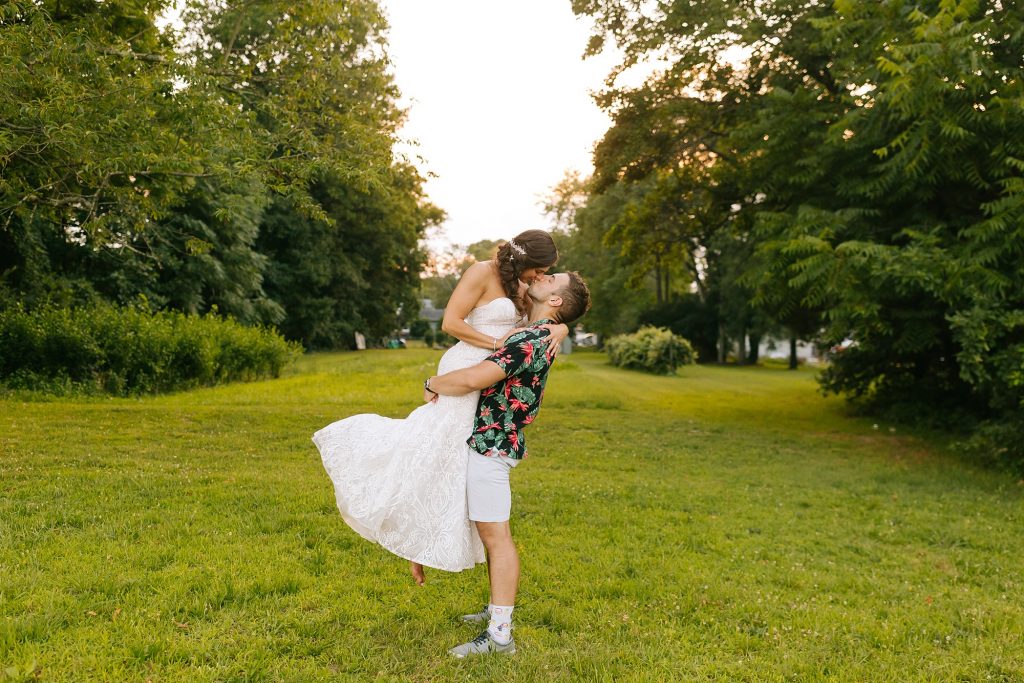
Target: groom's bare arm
(459, 382)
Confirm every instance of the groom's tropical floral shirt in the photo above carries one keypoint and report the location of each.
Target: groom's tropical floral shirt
(508, 406)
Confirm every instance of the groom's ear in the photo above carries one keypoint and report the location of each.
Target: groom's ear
(555, 300)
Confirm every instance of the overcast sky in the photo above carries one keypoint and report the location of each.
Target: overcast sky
(498, 99)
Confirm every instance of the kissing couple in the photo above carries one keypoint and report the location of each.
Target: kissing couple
(433, 488)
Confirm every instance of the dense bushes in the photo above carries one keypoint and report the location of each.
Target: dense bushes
(653, 349)
(127, 351)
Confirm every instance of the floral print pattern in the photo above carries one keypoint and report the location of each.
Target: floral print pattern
(508, 406)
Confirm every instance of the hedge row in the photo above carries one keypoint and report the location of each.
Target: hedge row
(126, 351)
(653, 349)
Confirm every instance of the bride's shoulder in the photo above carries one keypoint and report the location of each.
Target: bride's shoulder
(480, 269)
(481, 275)
(487, 266)
(476, 276)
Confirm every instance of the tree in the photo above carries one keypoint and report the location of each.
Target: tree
(579, 232)
(93, 133)
(141, 162)
(312, 80)
(874, 154)
(356, 271)
(95, 139)
(484, 250)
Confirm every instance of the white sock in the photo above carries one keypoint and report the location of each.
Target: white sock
(500, 626)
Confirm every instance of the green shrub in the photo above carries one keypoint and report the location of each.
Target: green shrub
(653, 349)
(445, 340)
(997, 442)
(419, 328)
(126, 351)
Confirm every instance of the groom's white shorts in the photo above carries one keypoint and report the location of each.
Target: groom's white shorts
(487, 487)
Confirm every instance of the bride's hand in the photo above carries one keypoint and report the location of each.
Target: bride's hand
(557, 334)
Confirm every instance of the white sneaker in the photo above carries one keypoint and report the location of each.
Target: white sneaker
(481, 645)
(479, 617)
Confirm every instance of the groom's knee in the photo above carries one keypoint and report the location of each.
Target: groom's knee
(494, 534)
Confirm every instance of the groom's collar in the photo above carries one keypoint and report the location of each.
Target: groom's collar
(548, 316)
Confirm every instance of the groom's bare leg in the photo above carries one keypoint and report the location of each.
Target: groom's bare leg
(502, 561)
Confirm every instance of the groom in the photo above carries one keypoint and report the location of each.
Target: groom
(511, 381)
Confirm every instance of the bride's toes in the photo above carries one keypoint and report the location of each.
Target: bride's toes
(417, 573)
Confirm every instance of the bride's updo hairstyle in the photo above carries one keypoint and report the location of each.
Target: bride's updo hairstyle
(528, 249)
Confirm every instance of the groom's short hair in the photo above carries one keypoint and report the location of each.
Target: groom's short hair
(575, 299)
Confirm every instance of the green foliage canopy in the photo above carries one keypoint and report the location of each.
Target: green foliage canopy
(187, 167)
(861, 167)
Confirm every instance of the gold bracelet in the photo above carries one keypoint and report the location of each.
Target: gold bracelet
(494, 343)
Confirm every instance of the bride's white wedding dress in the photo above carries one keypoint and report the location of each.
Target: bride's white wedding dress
(402, 483)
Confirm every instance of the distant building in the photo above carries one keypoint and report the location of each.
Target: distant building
(430, 314)
(779, 348)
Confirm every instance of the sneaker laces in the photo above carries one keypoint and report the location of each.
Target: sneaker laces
(482, 638)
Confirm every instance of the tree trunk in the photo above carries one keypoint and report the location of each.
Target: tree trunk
(754, 354)
(741, 348)
(792, 353)
(657, 277)
(722, 341)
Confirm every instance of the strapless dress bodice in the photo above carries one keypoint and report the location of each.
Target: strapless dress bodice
(496, 317)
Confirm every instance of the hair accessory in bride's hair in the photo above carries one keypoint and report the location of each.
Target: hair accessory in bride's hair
(516, 248)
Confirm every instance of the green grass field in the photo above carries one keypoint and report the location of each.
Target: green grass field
(726, 524)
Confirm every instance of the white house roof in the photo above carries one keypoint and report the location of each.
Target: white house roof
(429, 313)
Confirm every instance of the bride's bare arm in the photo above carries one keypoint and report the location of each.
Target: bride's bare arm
(465, 297)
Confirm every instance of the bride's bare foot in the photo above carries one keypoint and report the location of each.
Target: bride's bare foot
(417, 573)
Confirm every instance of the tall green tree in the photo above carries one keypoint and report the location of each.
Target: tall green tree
(141, 162)
(95, 139)
(106, 124)
(312, 78)
(200, 257)
(342, 236)
(580, 226)
(874, 150)
(357, 269)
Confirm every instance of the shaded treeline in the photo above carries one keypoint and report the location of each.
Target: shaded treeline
(241, 163)
(827, 171)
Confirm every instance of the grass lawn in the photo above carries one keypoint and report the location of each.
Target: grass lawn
(725, 524)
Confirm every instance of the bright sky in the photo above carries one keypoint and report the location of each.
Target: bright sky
(498, 102)
(499, 106)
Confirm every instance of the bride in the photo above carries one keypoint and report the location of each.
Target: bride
(402, 483)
